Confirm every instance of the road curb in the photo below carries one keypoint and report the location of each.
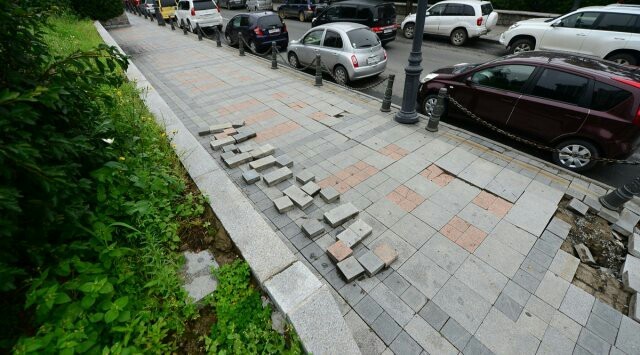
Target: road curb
(315, 315)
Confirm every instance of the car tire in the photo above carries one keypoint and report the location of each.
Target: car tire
(458, 37)
(428, 104)
(293, 60)
(522, 45)
(301, 16)
(409, 30)
(281, 14)
(623, 58)
(578, 146)
(341, 75)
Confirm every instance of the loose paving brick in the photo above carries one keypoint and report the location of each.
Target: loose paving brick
(340, 214)
(227, 155)
(329, 194)
(237, 124)
(631, 273)
(559, 227)
(305, 176)
(350, 268)
(577, 304)
(634, 245)
(238, 159)
(339, 251)
(626, 223)
(284, 161)
(313, 228)
(219, 143)
(361, 228)
(262, 151)
(349, 238)
(564, 265)
(311, 188)
(634, 307)
(283, 204)
(584, 253)
(577, 206)
(277, 176)
(251, 176)
(386, 253)
(244, 136)
(230, 148)
(299, 197)
(263, 163)
(218, 128)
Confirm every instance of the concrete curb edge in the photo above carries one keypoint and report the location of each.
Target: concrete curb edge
(313, 313)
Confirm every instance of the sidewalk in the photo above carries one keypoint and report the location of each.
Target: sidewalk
(479, 268)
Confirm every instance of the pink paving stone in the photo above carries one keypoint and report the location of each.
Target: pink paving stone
(484, 199)
(371, 170)
(342, 175)
(402, 190)
(414, 197)
(220, 135)
(342, 187)
(500, 207)
(386, 253)
(407, 205)
(352, 181)
(394, 197)
(442, 180)
(361, 165)
(451, 232)
(230, 131)
(471, 239)
(459, 224)
(339, 251)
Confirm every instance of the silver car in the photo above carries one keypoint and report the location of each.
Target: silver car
(258, 5)
(349, 50)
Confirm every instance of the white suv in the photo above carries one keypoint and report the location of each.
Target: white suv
(457, 19)
(611, 32)
(205, 13)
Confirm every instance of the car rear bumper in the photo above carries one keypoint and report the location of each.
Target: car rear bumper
(265, 43)
(477, 32)
(387, 37)
(208, 22)
(370, 70)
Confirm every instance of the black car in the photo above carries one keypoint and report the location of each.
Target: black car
(231, 4)
(303, 10)
(258, 29)
(379, 16)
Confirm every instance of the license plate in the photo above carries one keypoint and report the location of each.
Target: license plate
(274, 31)
(372, 60)
(388, 30)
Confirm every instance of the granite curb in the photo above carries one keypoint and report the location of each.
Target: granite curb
(309, 306)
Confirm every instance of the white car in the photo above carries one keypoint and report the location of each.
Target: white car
(457, 19)
(611, 32)
(258, 5)
(205, 13)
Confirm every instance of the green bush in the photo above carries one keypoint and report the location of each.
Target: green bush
(98, 9)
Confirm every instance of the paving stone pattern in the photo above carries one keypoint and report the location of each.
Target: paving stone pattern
(478, 268)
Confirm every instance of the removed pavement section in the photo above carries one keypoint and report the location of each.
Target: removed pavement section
(479, 266)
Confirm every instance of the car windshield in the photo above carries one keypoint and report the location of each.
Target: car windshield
(362, 38)
(203, 5)
(386, 11)
(167, 3)
(463, 67)
(487, 9)
(269, 21)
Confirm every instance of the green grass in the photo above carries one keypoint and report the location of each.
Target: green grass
(68, 34)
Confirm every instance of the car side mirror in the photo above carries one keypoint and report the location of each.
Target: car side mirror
(427, 14)
(557, 24)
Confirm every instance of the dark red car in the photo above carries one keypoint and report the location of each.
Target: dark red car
(581, 105)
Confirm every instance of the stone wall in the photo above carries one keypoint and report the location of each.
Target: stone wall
(120, 21)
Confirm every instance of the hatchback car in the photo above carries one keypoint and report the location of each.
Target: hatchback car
(232, 4)
(205, 13)
(610, 32)
(583, 106)
(167, 8)
(259, 5)
(258, 29)
(380, 17)
(349, 50)
(457, 19)
(303, 10)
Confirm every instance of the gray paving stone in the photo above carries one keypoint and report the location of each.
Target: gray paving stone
(531, 212)
(329, 194)
(607, 313)
(305, 176)
(237, 124)
(349, 238)
(283, 204)
(413, 230)
(244, 136)
(432, 214)
(475, 347)
(626, 223)
(414, 298)
(430, 340)
(480, 172)
(532, 324)
(277, 176)
(262, 151)
(577, 206)
(368, 309)
(631, 273)
(371, 263)
(404, 344)
(292, 286)
(361, 228)
(237, 160)
(499, 256)
(479, 217)
(628, 339)
(513, 237)
(593, 343)
(526, 281)
(463, 304)
(200, 287)
(219, 128)
(579, 350)
(554, 342)
(567, 326)
(251, 176)
(263, 163)
(609, 215)
(509, 307)
(540, 257)
(594, 204)
(634, 307)
(456, 160)
(564, 265)
(219, 143)
(552, 240)
(577, 304)
(396, 283)
(434, 315)
(284, 161)
(340, 214)
(602, 329)
(386, 328)
(455, 334)
(540, 309)
(387, 212)
(313, 228)
(497, 327)
(534, 269)
(368, 341)
(311, 188)
(424, 274)
(231, 148)
(350, 268)
(481, 278)
(508, 185)
(392, 304)
(633, 247)
(516, 293)
(553, 289)
(455, 196)
(352, 293)
(447, 254)
(299, 197)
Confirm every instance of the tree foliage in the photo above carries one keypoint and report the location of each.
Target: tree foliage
(98, 9)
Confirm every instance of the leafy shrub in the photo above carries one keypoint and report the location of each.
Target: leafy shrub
(98, 9)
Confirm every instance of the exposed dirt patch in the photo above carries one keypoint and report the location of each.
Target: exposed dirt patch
(609, 251)
(192, 339)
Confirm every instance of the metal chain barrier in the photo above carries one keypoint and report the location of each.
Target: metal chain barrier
(267, 52)
(368, 87)
(530, 142)
(286, 61)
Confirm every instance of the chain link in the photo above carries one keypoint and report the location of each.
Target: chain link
(286, 61)
(353, 87)
(532, 143)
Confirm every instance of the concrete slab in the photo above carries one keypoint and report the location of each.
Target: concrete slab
(292, 286)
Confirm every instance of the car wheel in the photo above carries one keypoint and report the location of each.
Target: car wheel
(429, 104)
(409, 30)
(281, 14)
(458, 37)
(341, 75)
(522, 45)
(623, 58)
(576, 155)
(227, 38)
(293, 60)
(301, 17)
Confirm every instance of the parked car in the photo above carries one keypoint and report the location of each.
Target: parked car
(610, 32)
(259, 5)
(258, 29)
(350, 51)
(205, 13)
(380, 17)
(578, 104)
(232, 4)
(148, 6)
(303, 10)
(457, 19)
(167, 8)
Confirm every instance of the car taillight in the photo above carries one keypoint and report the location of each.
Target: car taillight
(385, 54)
(284, 27)
(376, 29)
(193, 12)
(633, 83)
(479, 21)
(257, 31)
(636, 120)
(354, 61)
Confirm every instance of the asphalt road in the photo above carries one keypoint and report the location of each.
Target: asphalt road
(438, 53)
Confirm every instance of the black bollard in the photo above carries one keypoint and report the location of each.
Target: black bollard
(318, 71)
(274, 58)
(152, 16)
(184, 27)
(438, 111)
(172, 22)
(386, 101)
(199, 31)
(616, 199)
(144, 12)
(241, 44)
(218, 35)
(159, 18)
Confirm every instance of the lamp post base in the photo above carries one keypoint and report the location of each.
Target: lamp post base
(406, 117)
